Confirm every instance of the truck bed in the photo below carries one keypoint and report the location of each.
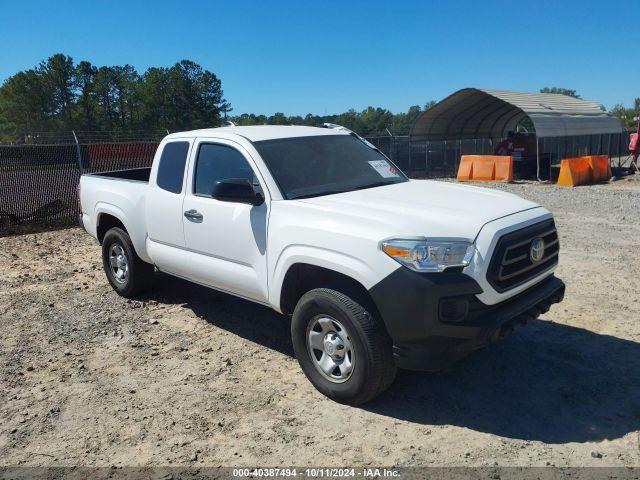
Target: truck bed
(119, 193)
(132, 174)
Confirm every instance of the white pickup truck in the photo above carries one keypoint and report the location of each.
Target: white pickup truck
(376, 271)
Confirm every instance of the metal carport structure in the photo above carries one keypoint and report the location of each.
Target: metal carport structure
(474, 113)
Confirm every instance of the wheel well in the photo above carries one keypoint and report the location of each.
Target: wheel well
(105, 223)
(302, 277)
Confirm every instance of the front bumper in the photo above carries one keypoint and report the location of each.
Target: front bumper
(410, 305)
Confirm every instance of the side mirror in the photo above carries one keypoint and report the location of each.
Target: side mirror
(238, 190)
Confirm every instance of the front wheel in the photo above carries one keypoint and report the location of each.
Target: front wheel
(126, 272)
(342, 347)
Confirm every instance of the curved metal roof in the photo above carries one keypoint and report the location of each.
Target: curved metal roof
(478, 113)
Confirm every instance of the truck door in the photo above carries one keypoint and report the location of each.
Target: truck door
(225, 241)
(165, 242)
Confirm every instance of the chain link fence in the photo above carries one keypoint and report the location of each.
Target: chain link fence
(38, 179)
(437, 159)
(37, 185)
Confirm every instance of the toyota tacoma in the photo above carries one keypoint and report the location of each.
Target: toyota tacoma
(376, 271)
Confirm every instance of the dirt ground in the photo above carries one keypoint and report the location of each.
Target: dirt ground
(188, 376)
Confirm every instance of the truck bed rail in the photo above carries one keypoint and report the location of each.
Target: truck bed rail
(132, 174)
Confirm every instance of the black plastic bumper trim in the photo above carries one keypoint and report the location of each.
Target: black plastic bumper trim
(408, 303)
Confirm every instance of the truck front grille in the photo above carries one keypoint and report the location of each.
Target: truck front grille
(512, 263)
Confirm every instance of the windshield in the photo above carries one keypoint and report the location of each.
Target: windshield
(321, 165)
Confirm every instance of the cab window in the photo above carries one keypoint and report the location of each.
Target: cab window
(171, 167)
(219, 162)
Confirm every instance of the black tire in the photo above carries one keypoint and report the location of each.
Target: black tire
(139, 276)
(373, 369)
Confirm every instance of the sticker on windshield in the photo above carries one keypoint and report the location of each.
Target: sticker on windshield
(384, 169)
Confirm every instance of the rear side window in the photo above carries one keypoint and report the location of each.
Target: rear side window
(171, 168)
(219, 162)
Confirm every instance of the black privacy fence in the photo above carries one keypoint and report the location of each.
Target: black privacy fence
(438, 159)
(38, 181)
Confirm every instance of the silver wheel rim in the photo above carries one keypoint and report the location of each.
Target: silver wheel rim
(119, 263)
(330, 348)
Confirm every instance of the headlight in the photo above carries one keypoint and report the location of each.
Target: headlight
(429, 255)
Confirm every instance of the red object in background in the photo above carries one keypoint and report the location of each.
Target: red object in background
(114, 156)
(634, 144)
(634, 148)
(517, 146)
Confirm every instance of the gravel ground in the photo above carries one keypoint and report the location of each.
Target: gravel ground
(188, 376)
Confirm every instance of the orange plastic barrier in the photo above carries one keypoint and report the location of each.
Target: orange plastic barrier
(574, 171)
(465, 170)
(600, 168)
(584, 170)
(485, 168)
(504, 169)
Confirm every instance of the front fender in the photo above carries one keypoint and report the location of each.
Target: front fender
(340, 262)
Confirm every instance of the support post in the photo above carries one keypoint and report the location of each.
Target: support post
(600, 145)
(444, 155)
(538, 158)
(426, 159)
(78, 152)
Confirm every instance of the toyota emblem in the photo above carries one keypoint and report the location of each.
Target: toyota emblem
(536, 251)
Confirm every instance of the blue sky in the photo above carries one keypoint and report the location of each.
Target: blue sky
(328, 56)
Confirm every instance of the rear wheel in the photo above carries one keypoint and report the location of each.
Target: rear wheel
(342, 347)
(126, 272)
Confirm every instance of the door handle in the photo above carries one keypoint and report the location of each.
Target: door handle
(193, 215)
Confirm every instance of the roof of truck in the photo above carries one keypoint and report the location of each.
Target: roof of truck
(260, 132)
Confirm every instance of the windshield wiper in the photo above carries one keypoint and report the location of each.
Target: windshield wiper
(333, 192)
(318, 194)
(373, 185)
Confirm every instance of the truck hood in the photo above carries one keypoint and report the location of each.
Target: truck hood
(422, 208)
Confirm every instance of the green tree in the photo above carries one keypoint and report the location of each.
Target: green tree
(311, 120)
(153, 91)
(402, 121)
(429, 104)
(125, 96)
(278, 119)
(212, 104)
(105, 98)
(370, 121)
(24, 106)
(184, 96)
(58, 79)
(58, 95)
(561, 91)
(627, 116)
(85, 111)
(376, 120)
(246, 119)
